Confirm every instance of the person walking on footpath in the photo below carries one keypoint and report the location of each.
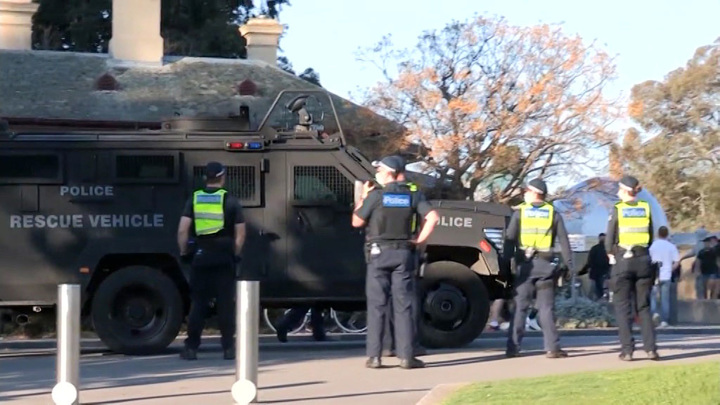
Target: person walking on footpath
(629, 236)
(666, 256)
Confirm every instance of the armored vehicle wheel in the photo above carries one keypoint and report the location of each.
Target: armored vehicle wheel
(137, 310)
(455, 305)
(272, 317)
(350, 322)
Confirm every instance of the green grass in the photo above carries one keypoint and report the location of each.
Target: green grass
(691, 384)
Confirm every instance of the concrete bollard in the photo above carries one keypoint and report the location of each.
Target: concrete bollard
(66, 390)
(244, 390)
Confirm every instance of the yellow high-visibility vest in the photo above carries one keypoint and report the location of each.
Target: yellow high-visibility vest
(633, 224)
(413, 227)
(536, 226)
(208, 210)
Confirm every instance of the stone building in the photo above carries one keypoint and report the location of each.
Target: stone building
(136, 86)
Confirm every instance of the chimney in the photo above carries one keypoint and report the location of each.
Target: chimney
(136, 32)
(16, 24)
(262, 35)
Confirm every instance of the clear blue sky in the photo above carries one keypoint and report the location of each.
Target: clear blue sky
(650, 38)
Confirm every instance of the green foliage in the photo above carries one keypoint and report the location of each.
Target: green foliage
(201, 28)
(189, 27)
(681, 163)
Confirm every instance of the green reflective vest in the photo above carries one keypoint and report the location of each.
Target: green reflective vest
(208, 209)
(536, 226)
(633, 224)
(413, 227)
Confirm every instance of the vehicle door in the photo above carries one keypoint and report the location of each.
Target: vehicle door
(325, 252)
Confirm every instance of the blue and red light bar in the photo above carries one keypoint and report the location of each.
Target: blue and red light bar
(252, 145)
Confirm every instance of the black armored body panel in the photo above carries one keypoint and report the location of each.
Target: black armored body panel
(102, 208)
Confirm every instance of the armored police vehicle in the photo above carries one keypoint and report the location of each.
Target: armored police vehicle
(101, 209)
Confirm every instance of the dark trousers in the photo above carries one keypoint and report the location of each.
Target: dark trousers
(389, 336)
(633, 280)
(599, 281)
(209, 282)
(538, 277)
(296, 315)
(390, 275)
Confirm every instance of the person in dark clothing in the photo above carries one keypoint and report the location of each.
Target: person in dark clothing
(629, 236)
(599, 266)
(707, 258)
(529, 241)
(215, 220)
(391, 257)
(295, 315)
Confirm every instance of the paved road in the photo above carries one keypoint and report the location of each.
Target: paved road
(302, 374)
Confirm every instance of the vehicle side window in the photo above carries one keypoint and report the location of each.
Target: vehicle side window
(321, 183)
(145, 167)
(30, 168)
(240, 181)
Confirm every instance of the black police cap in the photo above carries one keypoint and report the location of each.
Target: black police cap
(538, 186)
(629, 183)
(393, 163)
(213, 170)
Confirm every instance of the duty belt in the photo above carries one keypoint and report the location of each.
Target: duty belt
(391, 244)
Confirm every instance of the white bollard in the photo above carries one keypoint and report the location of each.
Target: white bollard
(244, 390)
(66, 391)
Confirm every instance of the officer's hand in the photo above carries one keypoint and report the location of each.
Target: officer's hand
(367, 188)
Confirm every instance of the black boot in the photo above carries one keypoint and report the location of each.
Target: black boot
(411, 363)
(556, 354)
(373, 362)
(188, 354)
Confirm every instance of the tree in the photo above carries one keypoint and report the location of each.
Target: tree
(309, 74)
(206, 28)
(190, 27)
(496, 103)
(680, 162)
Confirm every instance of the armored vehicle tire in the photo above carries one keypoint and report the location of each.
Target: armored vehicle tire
(137, 310)
(455, 305)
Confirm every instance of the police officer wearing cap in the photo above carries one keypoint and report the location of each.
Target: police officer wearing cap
(529, 240)
(388, 215)
(215, 219)
(388, 335)
(628, 238)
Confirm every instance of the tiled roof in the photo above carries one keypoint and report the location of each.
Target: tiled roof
(63, 85)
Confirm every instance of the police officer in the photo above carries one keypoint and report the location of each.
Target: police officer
(391, 260)
(529, 240)
(215, 219)
(628, 238)
(388, 335)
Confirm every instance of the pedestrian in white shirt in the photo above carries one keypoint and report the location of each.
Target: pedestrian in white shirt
(665, 254)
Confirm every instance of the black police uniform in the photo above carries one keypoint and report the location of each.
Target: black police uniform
(391, 264)
(388, 335)
(632, 278)
(538, 275)
(213, 273)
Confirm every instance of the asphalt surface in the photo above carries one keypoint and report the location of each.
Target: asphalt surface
(306, 372)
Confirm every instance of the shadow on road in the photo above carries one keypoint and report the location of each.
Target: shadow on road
(357, 394)
(35, 375)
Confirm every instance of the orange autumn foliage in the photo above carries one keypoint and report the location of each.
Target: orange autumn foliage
(491, 99)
